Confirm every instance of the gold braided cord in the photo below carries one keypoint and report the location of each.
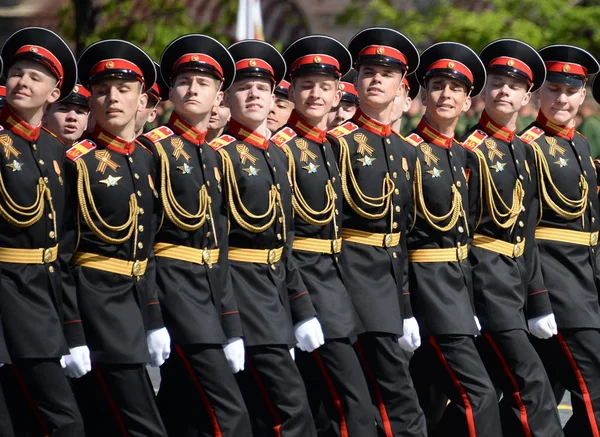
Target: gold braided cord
(172, 208)
(35, 211)
(387, 188)
(545, 177)
(84, 195)
(456, 210)
(488, 185)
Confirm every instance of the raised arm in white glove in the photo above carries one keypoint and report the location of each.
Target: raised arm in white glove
(235, 354)
(411, 339)
(159, 346)
(543, 327)
(78, 362)
(309, 334)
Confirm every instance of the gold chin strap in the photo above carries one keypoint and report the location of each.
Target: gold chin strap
(456, 210)
(486, 181)
(234, 199)
(32, 213)
(578, 206)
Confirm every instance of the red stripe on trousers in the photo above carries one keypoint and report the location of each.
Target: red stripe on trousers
(211, 412)
(263, 390)
(461, 389)
(513, 381)
(387, 426)
(110, 401)
(30, 400)
(336, 399)
(582, 385)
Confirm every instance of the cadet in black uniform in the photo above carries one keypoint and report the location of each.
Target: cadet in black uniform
(281, 109)
(567, 234)
(114, 212)
(68, 119)
(273, 301)
(40, 318)
(376, 176)
(332, 373)
(403, 102)
(348, 104)
(508, 286)
(198, 392)
(440, 272)
(156, 94)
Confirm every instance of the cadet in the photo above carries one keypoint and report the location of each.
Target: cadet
(332, 373)
(68, 119)
(508, 286)
(34, 247)
(375, 173)
(567, 234)
(114, 211)
(281, 108)
(2, 96)
(158, 93)
(348, 104)
(198, 392)
(403, 102)
(440, 272)
(219, 117)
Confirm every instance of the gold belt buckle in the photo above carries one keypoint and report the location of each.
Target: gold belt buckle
(518, 250)
(460, 253)
(137, 268)
(206, 258)
(335, 246)
(272, 256)
(47, 256)
(594, 238)
(387, 240)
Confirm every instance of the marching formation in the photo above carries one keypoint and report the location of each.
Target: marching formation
(294, 265)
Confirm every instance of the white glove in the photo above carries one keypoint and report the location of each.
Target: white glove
(477, 323)
(293, 353)
(78, 362)
(235, 354)
(309, 334)
(543, 327)
(411, 339)
(159, 346)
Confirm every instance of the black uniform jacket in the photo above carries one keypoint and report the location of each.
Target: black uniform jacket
(376, 174)
(38, 305)
(113, 211)
(504, 206)
(441, 291)
(568, 198)
(317, 195)
(196, 299)
(270, 296)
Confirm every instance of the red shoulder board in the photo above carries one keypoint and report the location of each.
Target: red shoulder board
(159, 133)
(474, 140)
(283, 136)
(222, 141)
(79, 149)
(344, 129)
(414, 139)
(531, 134)
(139, 143)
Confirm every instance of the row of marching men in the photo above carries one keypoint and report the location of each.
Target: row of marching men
(429, 286)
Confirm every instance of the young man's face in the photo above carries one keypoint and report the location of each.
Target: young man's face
(67, 121)
(30, 85)
(219, 117)
(250, 100)
(115, 102)
(194, 93)
(279, 114)
(146, 115)
(505, 94)
(314, 95)
(378, 85)
(340, 113)
(560, 102)
(445, 98)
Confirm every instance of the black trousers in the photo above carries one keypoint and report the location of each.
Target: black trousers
(528, 407)
(451, 365)
(385, 366)
(118, 400)
(199, 396)
(572, 360)
(6, 428)
(40, 399)
(334, 378)
(275, 394)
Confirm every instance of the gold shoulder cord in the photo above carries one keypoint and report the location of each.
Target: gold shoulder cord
(34, 212)
(233, 196)
(172, 208)
(545, 177)
(488, 185)
(456, 210)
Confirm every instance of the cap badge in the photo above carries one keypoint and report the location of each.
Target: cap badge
(33, 49)
(317, 59)
(110, 64)
(342, 86)
(252, 63)
(510, 62)
(450, 64)
(380, 50)
(76, 89)
(194, 58)
(566, 68)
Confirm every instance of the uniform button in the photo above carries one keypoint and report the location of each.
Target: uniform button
(135, 175)
(46, 179)
(201, 151)
(51, 269)
(336, 212)
(458, 184)
(593, 219)
(268, 155)
(328, 164)
(208, 183)
(274, 170)
(50, 216)
(395, 175)
(130, 159)
(34, 147)
(387, 140)
(140, 245)
(280, 219)
(521, 177)
(394, 255)
(337, 259)
(584, 173)
(208, 234)
(396, 191)
(279, 236)
(454, 168)
(51, 234)
(391, 157)
(579, 156)
(41, 161)
(521, 224)
(517, 161)
(278, 186)
(461, 229)
(141, 228)
(204, 166)
(519, 239)
(333, 179)
(512, 146)
(139, 193)
(141, 211)
(394, 225)
(273, 267)
(337, 228)
(451, 154)
(397, 209)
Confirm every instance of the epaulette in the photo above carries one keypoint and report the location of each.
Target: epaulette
(221, 142)
(474, 140)
(139, 143)
(414, 139)
(531, 134)
(79, 149)
(342, 130)
(283, 136)
(582, 135)
(53, 134)
(159, 133)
